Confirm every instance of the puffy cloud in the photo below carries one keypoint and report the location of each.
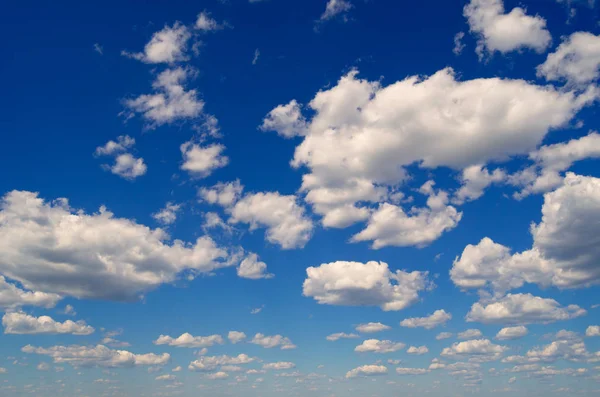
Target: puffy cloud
(269, 342)
(475, 179)
(363, 135)
(223, 194)
(522, 309)
(369, 284)
(367, 370)
(167, 215)
(470, 334)
(334, 8)
(285, 220)
(123, 143)
(437, 318)
(443, 335)
(217, 375)
(12, 297)
(417, 350)
(206, 23)
(171, 101)
(236, 336)
(126, 165)
(576, 60)
(168, 45)
(565, 349)
(286, 120)
(166, 377)
(480, 349)
(24, 324)
(210, 363)
(510, 333)
(279, 365)
(592, 330)
(372, 327)
(340, 335)
(252, 268)
(497, 31)
(97, 356)
(379, 346)
(566, 245)
(201, 161)
(188, 340)
(50, 247)
(411, 371)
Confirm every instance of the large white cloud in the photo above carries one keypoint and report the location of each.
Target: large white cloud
(505, 32)
(369, 284)
(566, 245)
(188, 340)
(363, 135)
(97, 356)
(522, 309)
(12, 297)
(24, 324)
(50, 247)
(379, 346)
(367, 370)
(168, 45)
(437, 318)
(576, 60)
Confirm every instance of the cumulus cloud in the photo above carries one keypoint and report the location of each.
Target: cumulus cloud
(443, 335)
(206, 23)
(217, 375)
(24, 324)
(576, 60)
(566, 245)
(167, 215)
(437, 318)
(417, 350)
(469, 334)
(50, 247)
(201, 161)
(510, 333)
(168, 45)
(335, 8)
(340, 335)
(522, 309)
(369, 284)
(279, 365)
(188, 340)
(411, 371)
(367, 370)
(252, 268)
(475, 179)
(210, 363)
(505, 32)
(379, 346)
(97, 356)
(286, 120)
(285, 220)
(12, 297)
(372, 327)
(480, 349)
(170, 102)
(592, 330)
(126, 165)
(236, 336)
(223, 194)
(123, 143)
(269, 342)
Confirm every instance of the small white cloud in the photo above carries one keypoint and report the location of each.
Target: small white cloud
(206, 23)
(470, 334)
(279, 365)
(24, 324)
(168, 45)
(340, 335)
(253, 269)
(367, 370)
(379, 346)
(188, 340)
(335, 8)
(510, 333)
(201, 161)
(417, 350)
(592, 330)
(436, 319)
(167, 215)
(269, 342)
(372, 328)
(236, 336)
(443, 335)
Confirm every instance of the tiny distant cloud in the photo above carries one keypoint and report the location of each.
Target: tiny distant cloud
(257, 310)
(256, 56)
(98, 48)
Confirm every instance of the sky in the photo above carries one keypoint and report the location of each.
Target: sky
(300, 198)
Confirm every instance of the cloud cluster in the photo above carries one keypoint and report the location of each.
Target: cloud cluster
(24, 324)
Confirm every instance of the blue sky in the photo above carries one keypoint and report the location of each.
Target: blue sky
(309, 198)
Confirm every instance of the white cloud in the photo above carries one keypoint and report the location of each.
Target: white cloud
(379, 346)
(363, 135)
(372, 327)
(459, 46)
(285, 220)
(43, 367)
(177, 369)
(334, 8)
(123, 143)
(167, 215)
(367, 370)
(223, 194)
(470, 334)
(576, 60)
(411, 371)
(279, 365)
(566, 245)
(210, 363)
(217, 376)
(252, 268)
(340, 335)
(188, 340)
(269, 342)
(482, 349)
(201, 161)
(236, 336)
(510, 333)
(592, 330)
(257, 310)
(97, 356)
(437, 318)
(443, 335)
(170, 102)
(475, 179)
(206, 23)
(522, 309)
(69, 252)
(12, 297)
(370, 284)
(286, 120)
(497, 31)
(70, 310)
(24, 324)
(168, 45)
(166, 377)
(417, 350)
(126, 165)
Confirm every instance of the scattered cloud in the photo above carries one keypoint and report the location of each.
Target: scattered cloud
(437, 318)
